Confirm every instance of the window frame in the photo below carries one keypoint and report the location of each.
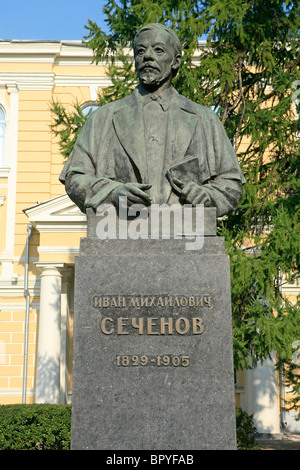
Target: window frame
(3, 123)
(89, 105)
(4, 166)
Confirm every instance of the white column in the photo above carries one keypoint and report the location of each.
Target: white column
(66, 293)
(266, 412)
(49, 339)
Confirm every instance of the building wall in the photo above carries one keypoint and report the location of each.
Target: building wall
(32, 75)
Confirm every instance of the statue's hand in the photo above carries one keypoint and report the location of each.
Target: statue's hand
(192, 193)
(134, 192)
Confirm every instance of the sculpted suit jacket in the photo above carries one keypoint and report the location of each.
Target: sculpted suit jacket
(110, 151)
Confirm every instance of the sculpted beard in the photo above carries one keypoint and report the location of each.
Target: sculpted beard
(151, 78)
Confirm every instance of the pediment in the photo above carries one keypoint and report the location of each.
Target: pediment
(57, 214)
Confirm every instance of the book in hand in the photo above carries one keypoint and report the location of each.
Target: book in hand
(186, 172)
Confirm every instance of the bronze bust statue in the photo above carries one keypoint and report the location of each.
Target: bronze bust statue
(154, 146)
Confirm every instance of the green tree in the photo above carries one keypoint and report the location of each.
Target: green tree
(247, 71)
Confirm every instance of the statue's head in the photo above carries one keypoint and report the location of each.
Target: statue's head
(157, 53)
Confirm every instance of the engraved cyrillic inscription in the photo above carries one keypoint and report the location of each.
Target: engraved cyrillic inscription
(150, 301)
(151, 325)
(166, 360)
(152, 315)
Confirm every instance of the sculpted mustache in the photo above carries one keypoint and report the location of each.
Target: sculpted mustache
(149, 66)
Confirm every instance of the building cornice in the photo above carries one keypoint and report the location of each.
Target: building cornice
(42, 51)
(27, 81)
(46, 81)
(59, 214)
(75, 80)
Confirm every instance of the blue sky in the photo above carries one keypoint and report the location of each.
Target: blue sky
(49, 19)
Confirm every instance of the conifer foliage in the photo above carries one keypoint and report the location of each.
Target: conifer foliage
(242, 60)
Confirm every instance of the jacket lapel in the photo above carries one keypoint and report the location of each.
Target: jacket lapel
(182, 124)
(129, 126)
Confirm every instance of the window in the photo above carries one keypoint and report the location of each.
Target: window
(89, 107)
(2, 137)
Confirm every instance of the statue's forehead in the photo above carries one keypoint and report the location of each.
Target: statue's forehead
(151, 36)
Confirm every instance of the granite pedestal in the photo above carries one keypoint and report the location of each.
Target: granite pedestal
(153, 366)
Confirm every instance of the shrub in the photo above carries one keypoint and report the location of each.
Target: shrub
(35, 427)
(245, 431)
(48, 427)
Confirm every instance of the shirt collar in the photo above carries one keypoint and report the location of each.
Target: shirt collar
(163, 98)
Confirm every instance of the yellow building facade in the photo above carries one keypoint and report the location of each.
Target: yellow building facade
(40, 231)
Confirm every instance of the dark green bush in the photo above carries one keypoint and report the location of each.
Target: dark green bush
(35, 427)
(48, 427)
(245, 431)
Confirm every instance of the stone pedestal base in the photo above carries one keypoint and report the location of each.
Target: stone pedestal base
(153, 366)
